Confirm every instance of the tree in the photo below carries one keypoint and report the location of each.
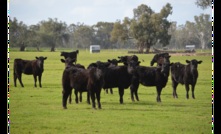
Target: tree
(120, 32)
(34, 37)
(103, 33)
(53, 33)
(149, 28)
(18, 34)
(203, 3)
(203, 29)
(83, 36)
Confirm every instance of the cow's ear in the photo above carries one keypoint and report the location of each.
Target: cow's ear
(62, 60)
(171, 64)
(187, 61)
(138, 63)
(199, 62)
(36, 57)
(45, 58)
(109, 60)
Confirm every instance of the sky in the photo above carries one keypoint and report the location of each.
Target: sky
(89, 12)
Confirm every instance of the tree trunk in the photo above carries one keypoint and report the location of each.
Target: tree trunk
(22, 47)
(52, 48)
(148, 47)
(38, 48)
(140, 47)
(147, 50)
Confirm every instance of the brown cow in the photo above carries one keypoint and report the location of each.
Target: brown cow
(185, 74)
(29, 67)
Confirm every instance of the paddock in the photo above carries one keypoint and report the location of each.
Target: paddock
(39, 110)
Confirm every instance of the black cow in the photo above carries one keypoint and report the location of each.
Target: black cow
(119, 77)
(29, 67)
(69, 63)
(76, 78)
(96, 81)
(158, 58)
(113, 62)
(127, 59)
(150, 76)
(89, 80)
(72, 55)
(185, 74)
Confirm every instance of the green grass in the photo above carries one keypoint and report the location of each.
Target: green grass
(39, 110)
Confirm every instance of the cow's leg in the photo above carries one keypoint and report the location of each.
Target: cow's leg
(132, 94)
(80, 96)
(159, 89)
(174, 85)
(134, 88)
(136, 95)
(187, 90)
(65, 94)
(19, 78)
(88, 98)
(35, 80)
(193, 87)
(15, 79)
(92, 94)
(106, 90)
(98, 94)
(76, 96)
(70, 99)
(135, 91)
(121, 94)
(111, 90)
(39, 80)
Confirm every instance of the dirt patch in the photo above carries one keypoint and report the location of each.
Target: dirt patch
(191, 54)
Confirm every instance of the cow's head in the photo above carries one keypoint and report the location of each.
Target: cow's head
(193, 64)
(98, 68)
(132, 65)
(165, 68)
(113, 61)
(68, 61)
(40, 61)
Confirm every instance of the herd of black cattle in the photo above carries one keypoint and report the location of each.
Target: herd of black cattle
(108, 75)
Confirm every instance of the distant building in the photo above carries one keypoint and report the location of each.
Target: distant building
(95, 48)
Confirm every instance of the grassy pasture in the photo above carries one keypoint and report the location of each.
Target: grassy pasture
(39, 110)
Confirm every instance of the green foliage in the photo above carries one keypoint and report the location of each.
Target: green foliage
(103, 34)
(83, 36)
(39, 110)
(203, 3)
(145, 30)
(149, 27)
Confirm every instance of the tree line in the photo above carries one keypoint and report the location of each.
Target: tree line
(144, 30)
